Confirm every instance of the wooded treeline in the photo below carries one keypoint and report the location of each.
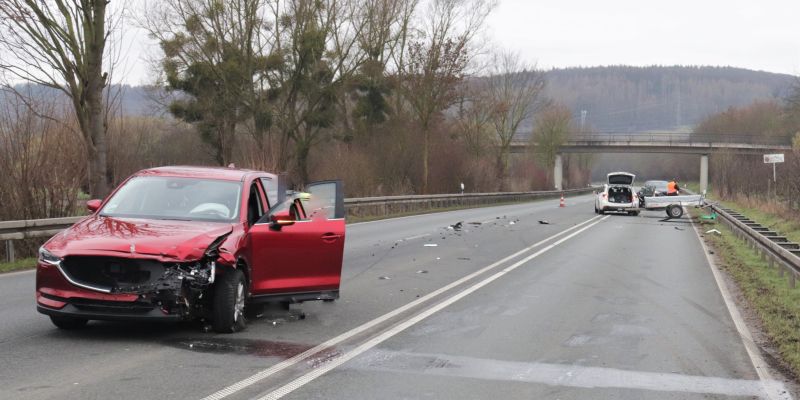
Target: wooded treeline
(663, 98)
(392, 96)
(748, 178)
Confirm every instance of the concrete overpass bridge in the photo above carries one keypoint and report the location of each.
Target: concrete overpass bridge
(675, 143)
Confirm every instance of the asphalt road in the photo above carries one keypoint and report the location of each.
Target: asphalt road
(612, 307)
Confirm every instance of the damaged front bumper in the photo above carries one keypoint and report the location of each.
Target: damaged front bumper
(108, 288)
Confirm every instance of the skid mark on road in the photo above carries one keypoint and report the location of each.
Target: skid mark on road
(557, 374)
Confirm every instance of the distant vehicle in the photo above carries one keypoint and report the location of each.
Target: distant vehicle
(652, 189)
(178, 243)
(617, 195)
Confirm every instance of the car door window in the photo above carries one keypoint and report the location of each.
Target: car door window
(255, 204)
(325, 200)
(271, 189)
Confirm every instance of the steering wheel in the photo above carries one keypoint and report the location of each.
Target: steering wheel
(214, 209)
(211, 212)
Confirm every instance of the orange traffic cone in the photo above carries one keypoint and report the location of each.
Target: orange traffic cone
(561, 203)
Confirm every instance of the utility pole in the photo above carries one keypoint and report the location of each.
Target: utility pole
(678, 111)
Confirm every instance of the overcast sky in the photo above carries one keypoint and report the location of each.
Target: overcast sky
(754, 34)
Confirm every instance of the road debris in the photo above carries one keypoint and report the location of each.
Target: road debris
(714, 231)
(384, 278)
(677, 228)
(422, 271)
(512, 223)
(464, 258)
(544, 222)
(475, 223)
(456, 226)
(430, 245)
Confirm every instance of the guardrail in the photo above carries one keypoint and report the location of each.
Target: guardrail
(680, 138)
(358, 206)
(669, 138)
(774, 248)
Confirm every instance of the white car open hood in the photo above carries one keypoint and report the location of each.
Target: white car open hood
(620, 178)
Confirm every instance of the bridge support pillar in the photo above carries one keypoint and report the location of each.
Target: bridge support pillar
(703, 173)
(558, 173)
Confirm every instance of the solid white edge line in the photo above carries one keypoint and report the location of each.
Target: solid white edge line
(236, 387)
(310, 376)
(772, 389)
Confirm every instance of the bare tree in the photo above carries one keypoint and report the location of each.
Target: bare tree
(60, 44)
(474, 119)
(436, 63)
(213, 52)
(551, 130)
(514, 91)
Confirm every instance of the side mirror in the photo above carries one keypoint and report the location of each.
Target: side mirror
(93, 205)
(280, 219)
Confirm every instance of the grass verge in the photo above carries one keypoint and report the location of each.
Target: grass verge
(768, 294)
(770, 214)
(18, 265)
(787, 226)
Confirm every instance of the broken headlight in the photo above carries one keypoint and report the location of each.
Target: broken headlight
(48, 257)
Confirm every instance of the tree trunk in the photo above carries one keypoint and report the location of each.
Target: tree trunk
(302, 148)
(425, 151)
(502, 168)
(230, 141)
(97, 145)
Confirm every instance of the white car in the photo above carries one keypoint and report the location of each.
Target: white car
(618, 195)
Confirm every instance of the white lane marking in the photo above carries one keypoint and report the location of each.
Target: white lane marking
(416, 237)
(377, 321)
(335, 362)
(581, 376)
(762, 369)
(15, 273)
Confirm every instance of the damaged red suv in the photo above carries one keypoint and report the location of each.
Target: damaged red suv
(191, 242)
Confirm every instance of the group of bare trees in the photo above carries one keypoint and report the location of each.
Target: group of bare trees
(395, 96)
(61, 44)
(292, 74)
(737, 176)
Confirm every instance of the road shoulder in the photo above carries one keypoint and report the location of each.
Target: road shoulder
(762, 350)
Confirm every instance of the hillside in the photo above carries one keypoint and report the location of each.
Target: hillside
(616, 99)
(635, 99)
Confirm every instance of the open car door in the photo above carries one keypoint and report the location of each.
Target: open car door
(297, 248)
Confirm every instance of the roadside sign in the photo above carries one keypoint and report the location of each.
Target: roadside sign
(773, 158)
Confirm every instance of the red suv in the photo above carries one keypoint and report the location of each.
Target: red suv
(193, 242)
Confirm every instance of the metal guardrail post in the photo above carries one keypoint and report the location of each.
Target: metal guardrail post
(10, 257)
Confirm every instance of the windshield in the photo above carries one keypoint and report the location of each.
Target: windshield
(189, 199)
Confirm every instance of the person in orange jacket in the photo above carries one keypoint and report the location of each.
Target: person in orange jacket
(672, 188)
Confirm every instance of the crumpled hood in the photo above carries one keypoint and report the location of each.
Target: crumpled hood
(165, 239)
